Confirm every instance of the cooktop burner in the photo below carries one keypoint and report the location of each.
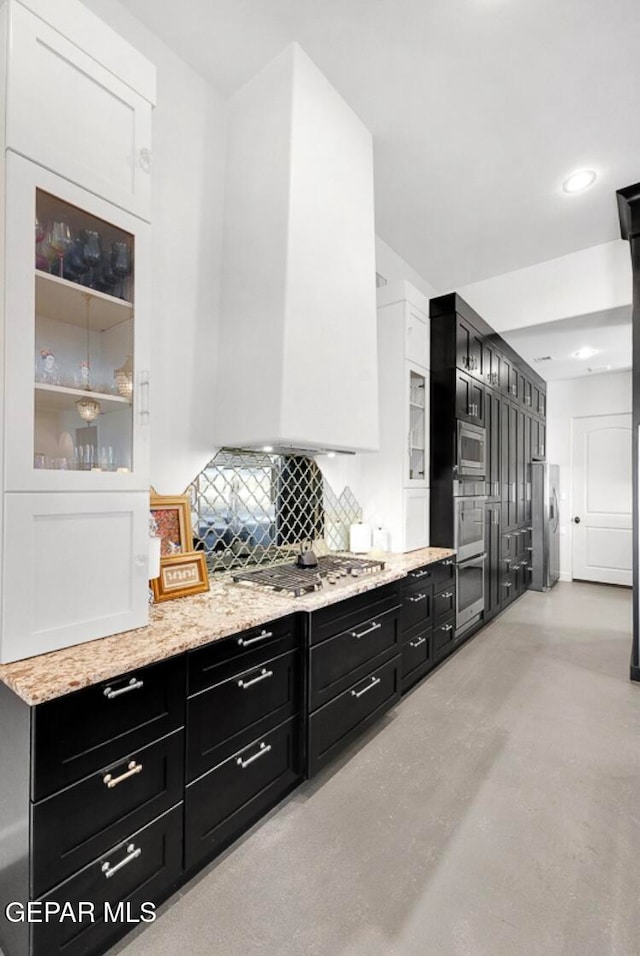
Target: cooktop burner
(298, 581)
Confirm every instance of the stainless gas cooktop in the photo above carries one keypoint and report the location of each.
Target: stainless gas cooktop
(297, 581)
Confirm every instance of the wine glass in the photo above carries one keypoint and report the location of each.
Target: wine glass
(105, 280)
(75, 264)
(49, 253)
(92, 252)
(121, 264)
(61, 240)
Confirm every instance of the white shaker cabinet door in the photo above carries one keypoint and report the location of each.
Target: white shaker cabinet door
(68, 112)
(74, 567)
(416, 519)
(417, 337)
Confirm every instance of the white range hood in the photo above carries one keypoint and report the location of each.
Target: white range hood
(297, 365)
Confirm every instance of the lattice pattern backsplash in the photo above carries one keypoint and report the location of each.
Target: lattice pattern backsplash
(256, 508)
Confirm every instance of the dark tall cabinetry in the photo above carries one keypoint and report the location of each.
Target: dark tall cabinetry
(477, 377)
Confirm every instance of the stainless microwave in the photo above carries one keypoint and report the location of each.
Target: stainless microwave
(471, 449)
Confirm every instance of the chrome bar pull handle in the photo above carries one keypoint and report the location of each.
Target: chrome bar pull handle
(133, 853)
(263, 675)
(247, 642)
(264, 750)
(418, 643)
(134, 684)
(417, 598)
(359, 693)
(420, 574)
(447, 594)
(447, 627)
(132, 769)
(375, 626)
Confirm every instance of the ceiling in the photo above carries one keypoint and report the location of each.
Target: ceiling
(608, 331)
(479, 109)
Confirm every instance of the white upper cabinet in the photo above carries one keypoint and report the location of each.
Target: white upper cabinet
(75, 333)
(298, 329)
(412, 309)
(80, 101)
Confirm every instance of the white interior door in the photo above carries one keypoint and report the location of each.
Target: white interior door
(601, 528)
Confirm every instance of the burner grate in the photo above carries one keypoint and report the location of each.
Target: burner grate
(299, 581)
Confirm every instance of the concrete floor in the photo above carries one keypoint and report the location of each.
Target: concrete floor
(496, 812)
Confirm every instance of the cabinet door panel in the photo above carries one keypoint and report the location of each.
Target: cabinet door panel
(53, 83)
(31, 293)
(149, 864)
(74, 826)
(339, 661)
(99, 585)
(230, 714)
(416, 519)
(417, 340)
(230, 797)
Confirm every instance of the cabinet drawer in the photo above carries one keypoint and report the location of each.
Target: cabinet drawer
(422, 575)
(143, 868)
(350, 614)
(444, 574)
(417, 605)
(236, 793)
(212, 664)
(443, 636)
(444, 605)
(335, 724)
(231, 714)
(415, 653)
(338, 662)
(79, 734)
(74, 826)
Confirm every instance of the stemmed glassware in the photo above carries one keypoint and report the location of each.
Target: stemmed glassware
(61, 241)
(120, 264)
(92, 252)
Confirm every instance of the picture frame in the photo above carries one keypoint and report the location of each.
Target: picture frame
(181, 575)
(172, 514)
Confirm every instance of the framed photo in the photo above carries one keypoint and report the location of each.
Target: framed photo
(181, 575)
(172, 516)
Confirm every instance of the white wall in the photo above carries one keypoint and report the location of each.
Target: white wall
(390, 265)
(188, 178)
(606, 394)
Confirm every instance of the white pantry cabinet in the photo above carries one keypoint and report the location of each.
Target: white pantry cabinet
(68, 108)
(74, 328)
(398, 475)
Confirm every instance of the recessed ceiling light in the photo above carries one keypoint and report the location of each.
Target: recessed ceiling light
(584, 353)
(600, 368)
(331, 454)
(267, 447)
(579, 181)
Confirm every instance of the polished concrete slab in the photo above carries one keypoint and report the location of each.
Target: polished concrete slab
(496, 812)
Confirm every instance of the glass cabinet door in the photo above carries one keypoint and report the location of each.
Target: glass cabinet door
(76, 347)
(418, 460)
(84, 333)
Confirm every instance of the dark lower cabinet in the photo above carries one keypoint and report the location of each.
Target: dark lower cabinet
(416, 657)
(76, 825)
(335, 725)
(492, 567)
(354, 667)
(229, 798)
(142, 869)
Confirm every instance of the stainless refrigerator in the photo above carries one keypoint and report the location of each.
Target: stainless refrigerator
(545, 537)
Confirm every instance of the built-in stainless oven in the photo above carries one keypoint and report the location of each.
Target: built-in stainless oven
(468, 527)
(471, 459)
(469, 591)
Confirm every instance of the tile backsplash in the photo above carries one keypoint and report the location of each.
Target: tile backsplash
(256, 508)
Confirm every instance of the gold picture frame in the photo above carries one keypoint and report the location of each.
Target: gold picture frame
(180, 576)
(172, 514)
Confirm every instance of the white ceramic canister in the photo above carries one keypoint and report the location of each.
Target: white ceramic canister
(380, 539)
(360, 538)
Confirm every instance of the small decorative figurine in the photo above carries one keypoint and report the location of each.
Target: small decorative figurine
(49, 372)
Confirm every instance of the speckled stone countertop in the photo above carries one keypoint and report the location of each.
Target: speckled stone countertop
(177, 626)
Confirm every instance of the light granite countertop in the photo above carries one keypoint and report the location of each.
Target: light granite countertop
(186, 623)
